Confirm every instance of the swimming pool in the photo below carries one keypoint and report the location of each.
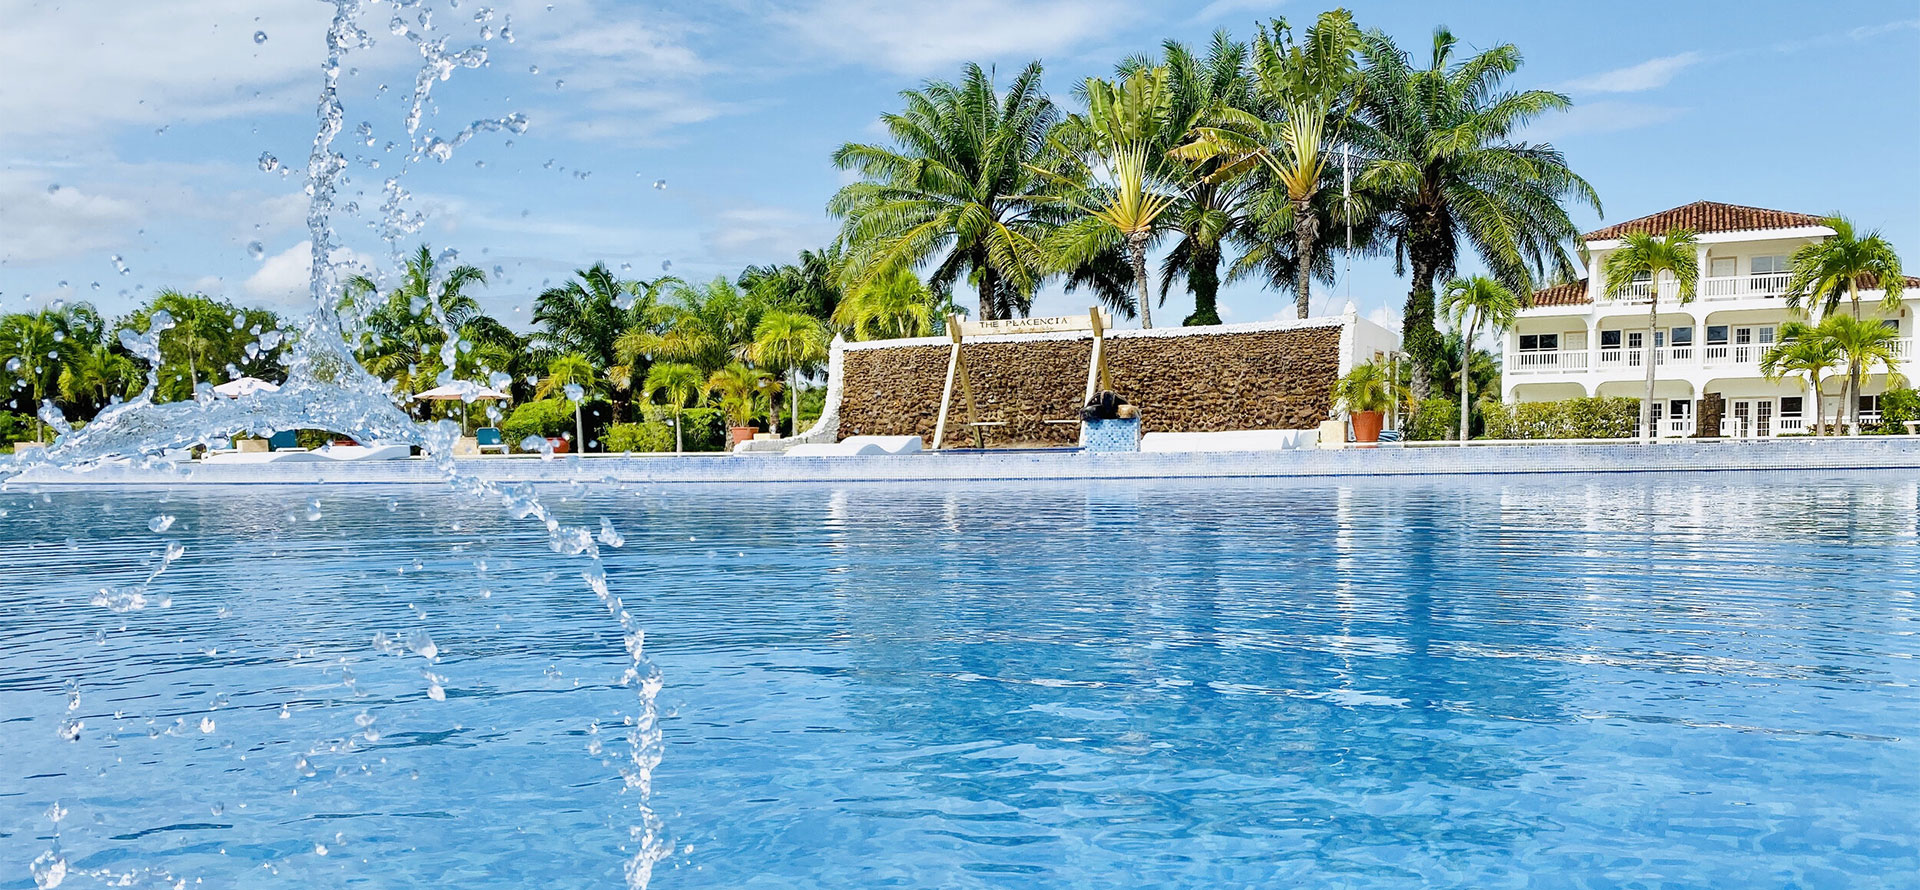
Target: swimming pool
(1620, 681)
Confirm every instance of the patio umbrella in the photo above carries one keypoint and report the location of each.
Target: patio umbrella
(464, 392)
(245, 386)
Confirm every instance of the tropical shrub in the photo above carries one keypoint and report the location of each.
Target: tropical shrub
(1603, 417)
(1434, 420)
(1897, 406)
(648, 436)
(544, 418)
(15, 428)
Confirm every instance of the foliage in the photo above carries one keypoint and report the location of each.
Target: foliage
(1805, 350)
(739, 387)
(1444, 171)
(1897, 406)
(1435, 419)
(1830, 269)
(637, 437)
(1368, 387)
(958, 188)
(16, 428)
(544, 418)
(889, 306)
(1472, 303)
(1603, 417)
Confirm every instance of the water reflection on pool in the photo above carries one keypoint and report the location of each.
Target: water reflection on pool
(1581, 681)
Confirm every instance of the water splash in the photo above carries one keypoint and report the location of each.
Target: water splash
(326, 388)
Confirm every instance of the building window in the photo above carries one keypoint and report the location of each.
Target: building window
(1539, 342)
(1609, 339)
(1682, 336)
(1768, 265)
(1791, 406)
(1723, 267)
(1870, 405)
(1891, 324)
(1716, 335)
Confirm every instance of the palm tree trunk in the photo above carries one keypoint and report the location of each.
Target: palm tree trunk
(1853, 369)
(793, 393)
(1304, 229)
(579, 430)
(677, 448)
(1203, 278)
(1137, 252)
(1651, 357)
(1819, 406)
(1466, 357)
(1417, 335)
(989, 287)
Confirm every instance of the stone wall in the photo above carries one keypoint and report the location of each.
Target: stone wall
(1236, 380)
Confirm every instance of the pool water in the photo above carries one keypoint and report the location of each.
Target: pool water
(1618, 681)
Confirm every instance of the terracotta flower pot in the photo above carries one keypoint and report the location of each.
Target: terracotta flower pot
(1366, 426)
(560, 444)
(740, 434)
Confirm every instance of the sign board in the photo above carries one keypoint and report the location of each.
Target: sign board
(1047, 325)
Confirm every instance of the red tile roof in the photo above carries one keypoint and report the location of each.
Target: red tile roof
(1708, 216)
(1573, 293)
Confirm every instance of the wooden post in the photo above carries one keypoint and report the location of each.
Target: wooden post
(946, 393)
(1097, 378)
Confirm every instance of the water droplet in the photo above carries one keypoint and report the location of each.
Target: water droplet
(218, 808)
(666, 265)
(256, 250)
(313, 509)
(56, 186)
(319, 849)
(259, 37)
(423, 645)
(660, 184)
(49, 869)
(13, 364)
(609, 535)
(206, 724)
(160, 523)
(56, 812)
(268, 163)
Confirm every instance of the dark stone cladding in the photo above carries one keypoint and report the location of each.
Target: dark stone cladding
(1200, 382)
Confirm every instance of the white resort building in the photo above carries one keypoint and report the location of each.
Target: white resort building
(1575, 340)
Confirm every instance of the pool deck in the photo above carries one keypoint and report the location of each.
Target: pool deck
(1673, 456)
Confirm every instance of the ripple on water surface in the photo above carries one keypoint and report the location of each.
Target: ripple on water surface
(1619, 681)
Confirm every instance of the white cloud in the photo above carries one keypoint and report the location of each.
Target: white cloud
(284, 278)
(765, 234)
(1602, 117)
(1649, 75)
(929, 36)
(51, 222)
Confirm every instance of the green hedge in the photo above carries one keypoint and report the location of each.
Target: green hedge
(1611, 417)
(650, 436)
(544, 418)
(1897, 406)
(1436, 419)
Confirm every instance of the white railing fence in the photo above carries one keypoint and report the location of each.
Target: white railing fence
(1734, 287)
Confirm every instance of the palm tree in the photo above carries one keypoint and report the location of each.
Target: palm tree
(1863, 343)
(404, 336)
(35, 349)
(588, 314)
(1472, 302)
(681, 385)
(571, 375)
(708, 326)
(1113, 169)
(958, 188)
(789, 341)
(738, 385)
(1301, 91)
(888, 306)
(98, 374)
(1209, 209)
(1444, 170)
(1644, 256)
(1836, 267)
(810, 285)
(1804, 349)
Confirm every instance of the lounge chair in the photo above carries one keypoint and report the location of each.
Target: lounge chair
(285, 440)
(488, 438)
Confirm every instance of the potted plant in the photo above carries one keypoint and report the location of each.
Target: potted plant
(1366, 392)
(739, 389)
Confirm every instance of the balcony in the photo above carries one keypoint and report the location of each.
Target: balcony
(1744, 357)
(1727, 287)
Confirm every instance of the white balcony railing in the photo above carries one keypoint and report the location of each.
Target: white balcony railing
(1713, 355)
(1532, 362)
(1789, 424)
(1736, 287)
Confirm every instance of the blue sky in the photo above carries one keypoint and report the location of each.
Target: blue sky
(139, 135)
